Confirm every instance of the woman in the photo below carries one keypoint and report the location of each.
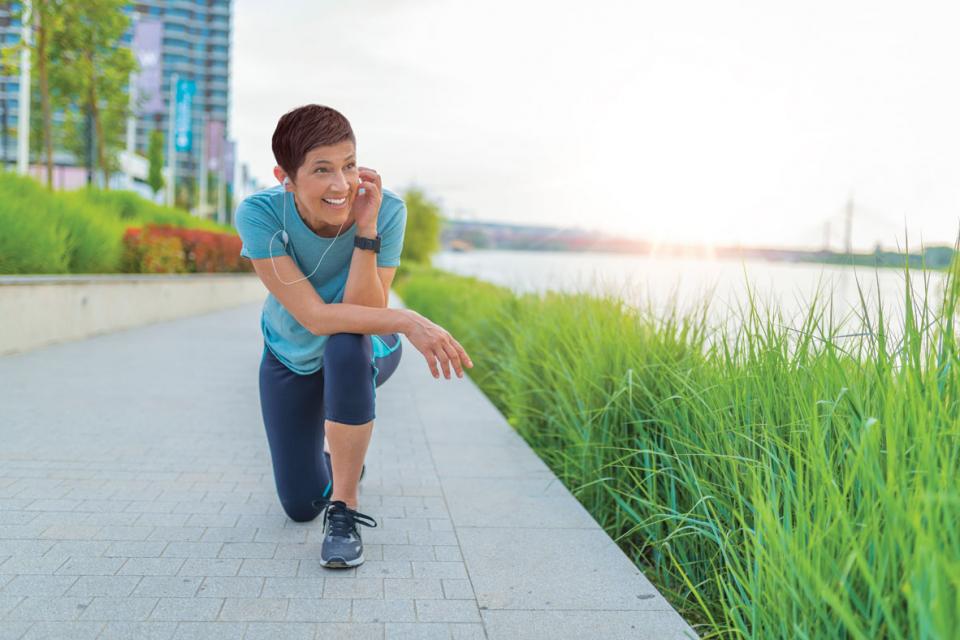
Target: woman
(326, 243)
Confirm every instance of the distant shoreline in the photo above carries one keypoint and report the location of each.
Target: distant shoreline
(935, 258)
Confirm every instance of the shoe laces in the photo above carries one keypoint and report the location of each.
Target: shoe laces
(343, 520)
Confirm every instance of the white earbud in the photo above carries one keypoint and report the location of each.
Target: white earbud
(283, 234)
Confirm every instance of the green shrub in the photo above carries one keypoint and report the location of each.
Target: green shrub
(81, 231)
(132, 209)
(93, 236)
(29, 241)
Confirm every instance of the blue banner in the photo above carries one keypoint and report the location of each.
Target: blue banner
(183, 131)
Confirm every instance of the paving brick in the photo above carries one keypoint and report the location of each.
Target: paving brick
(77, 549)
(192, 550)
(411, 588)
(32, 564)
(135, 549)
(457, 589)
(210, 630)
(129, 630)
(416, 631)
(281, 631)
(466, 631)
(260, 609)
(151, 566)
(210, 567)
(212, 520)
(280, 534)
(187, 609)
(407, 552)
(168, 586)
(293, 588)
(447, 611)
(90, 566)
(393, 610)
(229, 534)
(111, 586)
(38, 585)
(439, 569)
(319, 610)
(269, 567)
(62, 532)
(106, 608)
(356, 588)
(161, 519)
(230, 587)
(302, 551)
(176, 534)
(48, 608)
(248, 550)
(80, 630)
(8, 602)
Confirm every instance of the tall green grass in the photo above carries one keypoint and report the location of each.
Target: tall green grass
(774, 482)
(74, 231)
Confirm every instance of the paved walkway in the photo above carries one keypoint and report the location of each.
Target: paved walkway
(137, 500)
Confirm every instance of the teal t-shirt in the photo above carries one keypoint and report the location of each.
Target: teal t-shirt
(259, 220)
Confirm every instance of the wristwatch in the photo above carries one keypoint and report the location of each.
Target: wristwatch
(367, 243)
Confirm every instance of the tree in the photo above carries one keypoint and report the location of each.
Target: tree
(422, 236)
(45, 18)
(155, 156)
(46, 14)
(88, 65)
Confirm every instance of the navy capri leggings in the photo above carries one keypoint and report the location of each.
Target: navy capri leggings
(295, 406)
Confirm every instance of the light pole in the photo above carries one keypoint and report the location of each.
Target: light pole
(171, 143)
(23, 106)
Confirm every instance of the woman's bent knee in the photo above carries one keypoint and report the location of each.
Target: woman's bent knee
(300, 512)
(346, 350)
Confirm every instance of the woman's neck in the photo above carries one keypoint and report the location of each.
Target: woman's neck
(320, 228)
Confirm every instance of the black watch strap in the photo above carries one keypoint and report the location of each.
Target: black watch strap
(367, 243)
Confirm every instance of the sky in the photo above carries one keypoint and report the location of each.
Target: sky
(711, 123)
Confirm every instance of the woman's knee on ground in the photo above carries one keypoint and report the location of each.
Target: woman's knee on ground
(301, 511)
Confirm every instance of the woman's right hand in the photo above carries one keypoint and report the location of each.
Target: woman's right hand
(436, 343)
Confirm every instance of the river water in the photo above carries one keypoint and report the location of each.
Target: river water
(658, 283)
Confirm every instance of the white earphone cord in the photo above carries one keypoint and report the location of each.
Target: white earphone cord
(284, 231)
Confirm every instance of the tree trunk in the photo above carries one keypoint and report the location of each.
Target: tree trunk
(98, 124)
(40, 10)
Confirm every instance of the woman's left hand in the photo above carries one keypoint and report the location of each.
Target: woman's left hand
(366, 206)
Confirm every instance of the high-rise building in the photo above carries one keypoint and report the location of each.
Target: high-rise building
(194, 43)
(195, 46)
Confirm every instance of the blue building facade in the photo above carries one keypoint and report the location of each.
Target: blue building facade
(196, 45)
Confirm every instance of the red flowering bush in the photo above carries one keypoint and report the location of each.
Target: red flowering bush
(199, 251)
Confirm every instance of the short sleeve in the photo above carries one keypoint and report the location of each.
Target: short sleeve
(258, 229)
(391, 238)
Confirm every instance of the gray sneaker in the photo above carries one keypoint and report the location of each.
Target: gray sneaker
(342, 546)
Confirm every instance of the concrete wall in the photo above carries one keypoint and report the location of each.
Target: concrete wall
(41, 310)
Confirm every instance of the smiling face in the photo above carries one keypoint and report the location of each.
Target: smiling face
(326, 185)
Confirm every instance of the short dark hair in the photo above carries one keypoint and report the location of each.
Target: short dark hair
(306, 128)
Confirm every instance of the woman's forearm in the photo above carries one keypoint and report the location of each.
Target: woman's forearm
(354, 318)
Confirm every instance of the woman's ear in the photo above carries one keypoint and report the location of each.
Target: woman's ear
(281, 176)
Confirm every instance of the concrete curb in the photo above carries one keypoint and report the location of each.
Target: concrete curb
(42, 310)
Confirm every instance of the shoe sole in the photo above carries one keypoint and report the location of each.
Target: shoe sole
(340, 563)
